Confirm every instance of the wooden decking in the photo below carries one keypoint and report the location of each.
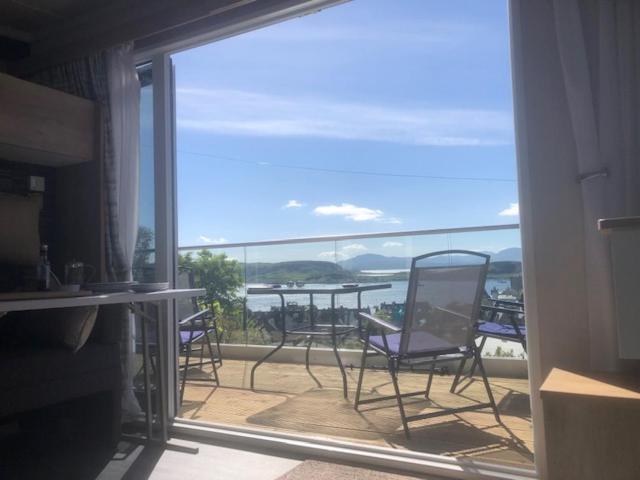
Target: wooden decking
(287, 399)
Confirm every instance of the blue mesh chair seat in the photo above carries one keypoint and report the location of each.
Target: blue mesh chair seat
(423, 343)
(438, 325)
(501, 330)
(504, 320)
(190, 336)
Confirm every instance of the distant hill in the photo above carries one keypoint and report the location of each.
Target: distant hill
(302, 271)
(505, 262)
(507, 255)
(372, 261)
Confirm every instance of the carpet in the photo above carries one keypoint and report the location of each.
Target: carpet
(314, 470)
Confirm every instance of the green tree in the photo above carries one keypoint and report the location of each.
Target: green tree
(218, 274)
(143, 263)
(222, 279)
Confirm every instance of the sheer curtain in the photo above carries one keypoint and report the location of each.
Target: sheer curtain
(122, 184)
(576, 73)
(110, 79)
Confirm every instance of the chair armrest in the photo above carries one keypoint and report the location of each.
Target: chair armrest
(378, 321)
(457, 314)
(510, 303)
(509, 311)
(194, 317)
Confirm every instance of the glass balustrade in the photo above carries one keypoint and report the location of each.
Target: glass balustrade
(228, 271)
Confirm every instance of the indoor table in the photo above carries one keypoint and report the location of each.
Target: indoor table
(136, 303)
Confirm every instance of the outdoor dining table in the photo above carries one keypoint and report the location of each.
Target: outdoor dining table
(313, 329)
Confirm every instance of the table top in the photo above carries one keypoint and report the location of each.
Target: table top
(99, 299)
(316, 290)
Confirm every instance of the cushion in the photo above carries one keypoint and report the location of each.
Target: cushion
(419, 342)
(20, 244)
(190, 336)
(61, 327)
(502, 330)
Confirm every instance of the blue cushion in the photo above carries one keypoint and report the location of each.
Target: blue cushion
(419, 342)
(187, 337)
(502, 330)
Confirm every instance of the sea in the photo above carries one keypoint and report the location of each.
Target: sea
(397, 293)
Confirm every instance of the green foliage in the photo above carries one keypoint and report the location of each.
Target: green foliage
(219, 275)
(504, 353)
(143, 263)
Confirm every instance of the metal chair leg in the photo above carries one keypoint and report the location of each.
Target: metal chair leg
(363, 364)
(184, 373)
(431, 372)
(214, 326)
(213, 359)
(456, 379)
(306, 356)
(474, 365)
(394, 379)
(485, 380)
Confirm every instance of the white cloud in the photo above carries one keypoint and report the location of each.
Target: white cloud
(293, 204)
(331, 255)
(392, 244)
(212, 240)
(355, 213)
(353, 248)
(349, 211)
(343, 253)
(512, 211)
(246, 113)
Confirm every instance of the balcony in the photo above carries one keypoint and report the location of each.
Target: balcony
(287, 398)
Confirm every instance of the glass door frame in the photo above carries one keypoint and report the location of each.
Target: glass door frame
(166, 270)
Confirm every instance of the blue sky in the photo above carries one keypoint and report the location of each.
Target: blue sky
(336, 123)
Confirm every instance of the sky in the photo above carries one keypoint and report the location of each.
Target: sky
(371, 116)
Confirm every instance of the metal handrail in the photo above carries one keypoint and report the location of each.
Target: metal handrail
(354, 236)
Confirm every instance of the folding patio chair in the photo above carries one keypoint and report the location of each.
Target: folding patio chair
(501, 319)
(195, 329)
(442, 307)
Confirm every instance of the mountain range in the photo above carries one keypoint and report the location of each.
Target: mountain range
(372, 261)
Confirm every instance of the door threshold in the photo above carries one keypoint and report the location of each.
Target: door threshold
(405, 461)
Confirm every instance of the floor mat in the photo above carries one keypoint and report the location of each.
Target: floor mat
(314, 470)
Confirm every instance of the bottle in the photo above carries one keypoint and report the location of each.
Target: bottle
(44, 268)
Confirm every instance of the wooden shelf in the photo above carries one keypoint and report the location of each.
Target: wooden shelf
(601, 385)
(591, 425)
(44, 126)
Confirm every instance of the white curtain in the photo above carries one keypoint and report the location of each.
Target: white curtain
(110, 79)
(576, 74)
(599, 48)
(124, 103)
